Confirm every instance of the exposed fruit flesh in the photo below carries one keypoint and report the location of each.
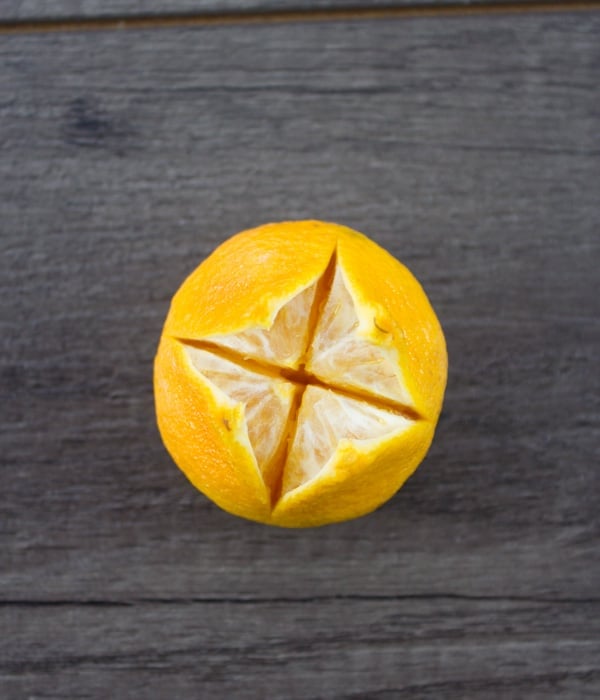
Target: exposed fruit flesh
(323, 374)
(284, 343)
(342, 354)
(325, 419)
(265, 401)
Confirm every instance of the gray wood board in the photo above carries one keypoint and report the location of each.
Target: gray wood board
(73, 9)
(470, 148)
(419, 648)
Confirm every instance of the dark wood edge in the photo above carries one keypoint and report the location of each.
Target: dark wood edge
(478, 7)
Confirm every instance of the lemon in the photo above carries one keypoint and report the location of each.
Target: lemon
(300, 374)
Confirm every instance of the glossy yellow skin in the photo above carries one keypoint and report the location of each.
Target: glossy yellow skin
(242, 285)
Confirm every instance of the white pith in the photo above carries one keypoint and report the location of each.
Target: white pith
(341, 355)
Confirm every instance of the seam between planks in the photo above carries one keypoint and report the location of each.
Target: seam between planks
(290, 600)
(290, 16)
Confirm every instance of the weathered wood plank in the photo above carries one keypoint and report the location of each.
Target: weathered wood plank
(302, 649)
(74, 9)
(471, 149)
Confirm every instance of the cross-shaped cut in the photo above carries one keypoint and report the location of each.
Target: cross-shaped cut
(325, 376)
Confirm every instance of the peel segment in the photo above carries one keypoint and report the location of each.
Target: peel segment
(225, 469)
(353, 349)
(386, 290)
(326, 420)
(358, 479)
(249, 278)
(263, 401)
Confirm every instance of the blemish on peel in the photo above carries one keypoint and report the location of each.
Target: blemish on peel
(379, 328)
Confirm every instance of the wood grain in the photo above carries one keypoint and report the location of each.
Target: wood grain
(470, 148)
(411, 648)
(77, 9)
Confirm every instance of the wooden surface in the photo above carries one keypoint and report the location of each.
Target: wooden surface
(52, 9)
(470, 148)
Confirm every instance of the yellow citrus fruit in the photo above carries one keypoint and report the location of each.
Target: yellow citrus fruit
(300, 374)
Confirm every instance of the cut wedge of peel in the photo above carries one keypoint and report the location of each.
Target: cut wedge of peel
(300, 375)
